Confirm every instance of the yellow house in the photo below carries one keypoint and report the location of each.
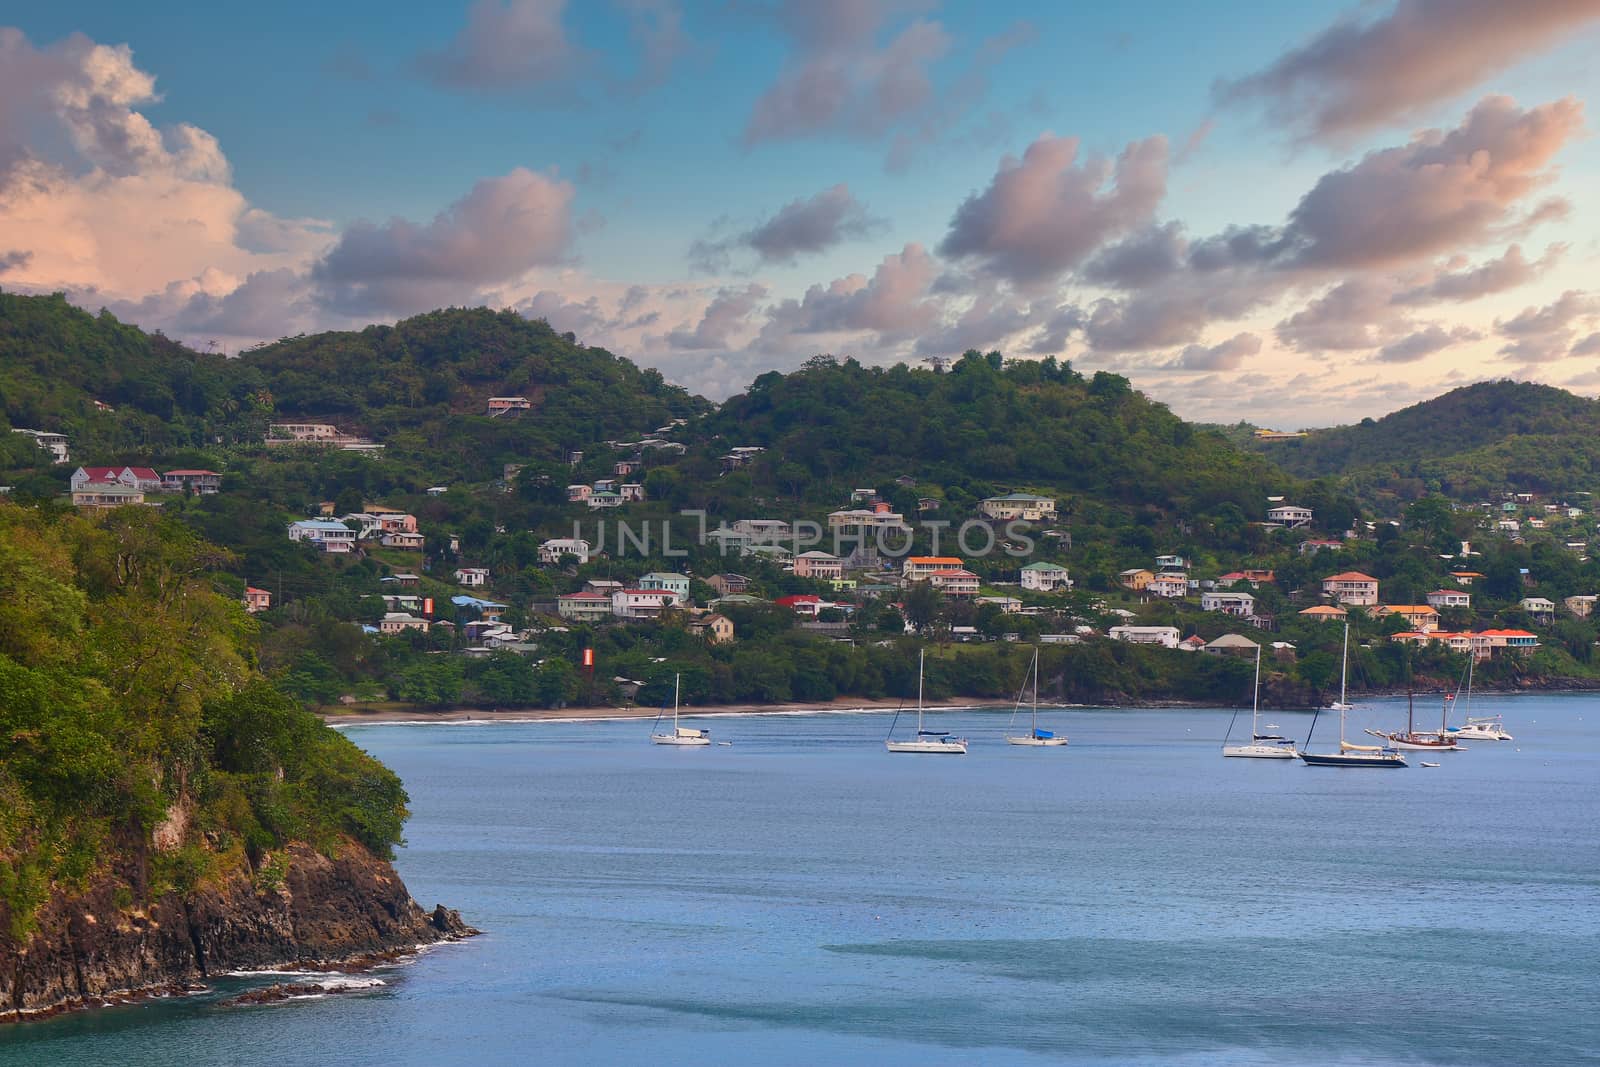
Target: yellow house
(1136, 579)
(717, 629)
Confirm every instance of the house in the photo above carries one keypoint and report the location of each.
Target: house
(438, 490)
(255, 600)
(200, 483)
(141, 478)
(1171, 563)
(1255, 576)
(806, 605)
(624, 467)
(106, 497)
(1540, 608)
(1232, 645)
(821, 565)
(1516, 640)
(395, 622)
(1325, 613)
(472, 577)
(1422, 617)
(1165, 636)
(863, 496)
(487, 610)
(631, 492)
(859, 520)
(1581, 607)
(641, 603)
(603, 586)
(603, 498)
(325, 534)
(1449, 598)
(1465, 577)
(1318, 545)
(667, 582)
(404, 579)
(405, 602)
(715, 628)
(1009, 605)
(396, 522)
(763, 531)
(1242, 605)
(584, 607)
(502, 405)
(1192, 643)
(1508, 526)
(577, 494)
(317, 433)
(1024, 506)
(1352, 588)
(1172, 586)
(1290, 515)
(53, 443)
(728, 584)
(551, 551)
(917, 567)
(409, 540)
(1045, 577)
(1135, 578)
(926, 504)
(954, 581)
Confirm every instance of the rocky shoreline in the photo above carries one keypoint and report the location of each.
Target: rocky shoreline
(90, 948)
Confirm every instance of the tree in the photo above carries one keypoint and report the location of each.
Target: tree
(921, 605)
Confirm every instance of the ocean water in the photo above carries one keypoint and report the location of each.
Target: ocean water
(804, 897)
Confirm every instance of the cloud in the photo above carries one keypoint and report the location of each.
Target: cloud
(1509, 271)
(1138, 260)
(656, 27)
(1354, 76)
(838, 78)
(501, 229)
(1358, 313)
(1227, 355)
(1544, 334)
(1044, 214)
(724, 317)
(1424, 343)
(1589, 346)
(14, 260)
(891, 302)
(505, 44)
(801, 227)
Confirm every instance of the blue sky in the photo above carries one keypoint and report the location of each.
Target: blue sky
(370, 140)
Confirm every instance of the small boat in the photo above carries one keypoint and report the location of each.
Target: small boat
(1035, 737)
(1425, 763)
(680, 735)
(928, 742)
(1349, 755)
(1261, 746)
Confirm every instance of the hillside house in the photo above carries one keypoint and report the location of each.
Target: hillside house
(1171, 586)
(409, 540)
(1465, 577)
(1171, 563)
(716, 629)
(256, 600)
(641, 603)
(1165, 636)
(668, 582)
(106, 497)
(506, 405)
(1232, 645)
(1581, 607)
(53, 443)
(1352, 589)
(1241, 605)
(1135, 578)
(603, 586)
(729, 584)
(551, 551)
(577, 494)
(584, 607)
(1045, 577)
(631, 492)
(1325, 613)
(763, 531)
(805, 605)
(1449, 598)
(1024, 506)
(325, 534)
(953, 581)
(856, 521)
(1291, 515)
(398, 622)
(823, 566)
(474, 607)
(1319, 545)
(1540, 609)
(143, 479)
(472, 577)
(1422, 617)
(198, 482)
(624, 467)
(915, 568)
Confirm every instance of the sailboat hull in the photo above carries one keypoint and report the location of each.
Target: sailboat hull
(1259, 751)
(1417, 742)
(1037, 742)
(946, 748)
(682, 742)
(1353, 759)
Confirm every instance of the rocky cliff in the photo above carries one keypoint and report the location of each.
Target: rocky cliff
(94, 944)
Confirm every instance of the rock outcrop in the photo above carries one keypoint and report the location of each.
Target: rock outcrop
(85, 947)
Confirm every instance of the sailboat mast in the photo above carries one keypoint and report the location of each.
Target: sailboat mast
(1344, 662)
(677, 682)
(1036, 692)
(921, 655)
(1255, 699)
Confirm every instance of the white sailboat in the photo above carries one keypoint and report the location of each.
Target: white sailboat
(1481, 728)
(1344, 670)
(1261, 746)
(680, 735)
(927, 741)
(1035, 737)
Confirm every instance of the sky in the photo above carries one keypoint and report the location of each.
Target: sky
(1295, 215)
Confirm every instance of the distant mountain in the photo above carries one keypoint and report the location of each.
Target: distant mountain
(1468, 442)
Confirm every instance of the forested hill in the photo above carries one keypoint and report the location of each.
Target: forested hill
(418, 386)
(1468, 442)
(988, 425)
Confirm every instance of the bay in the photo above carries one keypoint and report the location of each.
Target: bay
(802, 896)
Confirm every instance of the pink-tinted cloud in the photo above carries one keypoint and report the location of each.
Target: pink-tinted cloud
(501, 229)
(1545, 334)
(505, 44)
(1225, 355)
(1044, 214)
(1508, 271)
(1589, 346)
(801, 227)
(1425, 342)
(1356, 75)
(891, 302)
(724, 319)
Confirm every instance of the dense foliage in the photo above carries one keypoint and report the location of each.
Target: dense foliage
(129, 700)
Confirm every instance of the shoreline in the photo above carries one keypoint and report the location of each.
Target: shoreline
(396, 715)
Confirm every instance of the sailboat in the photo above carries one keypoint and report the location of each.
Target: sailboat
(1344, 671)
(1415, 740)
(680, 735)
(1482, 728)
(1349, 755)
(1034, 736)
(928, 741)
(1261, 746)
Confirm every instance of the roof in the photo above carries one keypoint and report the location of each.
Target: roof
(320, 524)
(1232, 641)
(943, 561)
(1407, 609)
(1019, 496)
(798, 598)
(1325, 609)
(1350, 576)
(664, 575)
(1044, 567)
(1449, 592)
(953, 572)
(172, 474)
(1506, 633)
(644, 592)
(816, 554)
(253, 589)
(584, 596)
(473, 602)
(1232, 576)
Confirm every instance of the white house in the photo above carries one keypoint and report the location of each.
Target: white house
(667, 582)
(1045, 577)
(1023, 506)
(954, 581)
(326, 534)
(640, 603)
(1449, 598)
(584, 607)
(1229, 603)
(1290, 515)
(1172, 586)
(1165, 636)
(552, 550)
(472, 577)
(1539, 607)
(53, 443)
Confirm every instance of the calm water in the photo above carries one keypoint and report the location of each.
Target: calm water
(804, 897)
